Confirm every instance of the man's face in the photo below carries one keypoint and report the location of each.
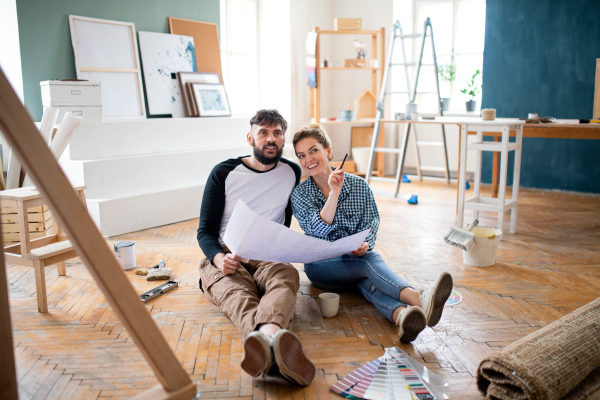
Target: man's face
(267, 143)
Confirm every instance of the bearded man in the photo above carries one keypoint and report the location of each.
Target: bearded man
(259, 297)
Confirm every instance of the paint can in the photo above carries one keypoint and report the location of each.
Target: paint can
(483, 254)
(125, 253)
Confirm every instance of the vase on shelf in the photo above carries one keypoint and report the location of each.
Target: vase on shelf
(471, 105)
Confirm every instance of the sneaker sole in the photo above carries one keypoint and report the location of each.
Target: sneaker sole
(442, 290)
(291, 360)
(413, 324)
(257, 357)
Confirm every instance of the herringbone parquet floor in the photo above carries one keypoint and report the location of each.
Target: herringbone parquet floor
(549, 268)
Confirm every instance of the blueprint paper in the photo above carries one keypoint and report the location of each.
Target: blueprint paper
(251, 236)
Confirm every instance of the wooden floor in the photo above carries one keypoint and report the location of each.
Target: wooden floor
(548, 269)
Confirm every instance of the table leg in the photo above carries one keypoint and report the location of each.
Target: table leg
(380, 157)
(458, 169)
(503, 168)
(495, 167)
(62, 268)
(461, 177)
(40, 286)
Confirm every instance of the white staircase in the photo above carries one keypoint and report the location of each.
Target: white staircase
(146, 173)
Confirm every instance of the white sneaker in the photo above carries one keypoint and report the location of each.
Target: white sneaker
(434, 299)
(290, 358)
(411, 321)
(257, 358)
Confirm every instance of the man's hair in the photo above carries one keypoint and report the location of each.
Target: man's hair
(315, 131)
(269, 118)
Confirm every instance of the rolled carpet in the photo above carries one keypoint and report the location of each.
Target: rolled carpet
(561, 360)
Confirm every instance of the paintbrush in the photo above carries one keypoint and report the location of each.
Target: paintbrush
(589, 121)
(463, 239)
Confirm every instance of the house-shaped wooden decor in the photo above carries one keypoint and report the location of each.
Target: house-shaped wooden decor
(365, 105)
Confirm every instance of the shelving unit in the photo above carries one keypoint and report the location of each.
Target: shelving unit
(378, 53)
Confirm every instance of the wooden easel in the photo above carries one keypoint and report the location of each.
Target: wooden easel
(36, 158)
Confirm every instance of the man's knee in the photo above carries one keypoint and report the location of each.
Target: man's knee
(280, 274)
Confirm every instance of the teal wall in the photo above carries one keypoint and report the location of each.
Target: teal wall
(46, 50)
(540, 57)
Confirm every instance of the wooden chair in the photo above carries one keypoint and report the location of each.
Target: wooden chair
(39, 253)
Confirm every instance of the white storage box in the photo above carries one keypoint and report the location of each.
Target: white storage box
(80, 98)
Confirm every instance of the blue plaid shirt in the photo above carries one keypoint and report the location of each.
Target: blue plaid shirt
(356, 210)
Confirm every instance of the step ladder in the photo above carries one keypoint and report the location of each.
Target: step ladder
(411, 91)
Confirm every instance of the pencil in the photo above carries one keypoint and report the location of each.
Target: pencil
(342, 166)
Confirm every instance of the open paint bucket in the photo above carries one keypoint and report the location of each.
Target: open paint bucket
(483, 254)
(125, 253)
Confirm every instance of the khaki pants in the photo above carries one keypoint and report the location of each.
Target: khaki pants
(258, 293)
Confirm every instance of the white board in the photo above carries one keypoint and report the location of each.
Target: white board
(106, 51)
(163, 56)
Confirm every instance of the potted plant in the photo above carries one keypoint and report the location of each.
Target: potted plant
(447, 73)
(472, 89)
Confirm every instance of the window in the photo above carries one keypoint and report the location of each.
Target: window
(239, 54)
(459, 32)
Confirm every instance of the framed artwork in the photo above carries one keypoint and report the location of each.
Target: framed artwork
(211, 100)
(106, 52)
(163, 56)
(194, 77)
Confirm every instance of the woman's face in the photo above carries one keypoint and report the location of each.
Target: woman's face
(313, 156)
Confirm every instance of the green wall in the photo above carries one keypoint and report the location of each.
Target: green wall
(46, 50)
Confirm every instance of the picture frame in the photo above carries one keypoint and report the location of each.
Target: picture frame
(211, 100)
(186, 90)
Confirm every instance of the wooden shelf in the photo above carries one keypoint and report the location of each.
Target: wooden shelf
(354, 68)
(358, 121)
(350, 32)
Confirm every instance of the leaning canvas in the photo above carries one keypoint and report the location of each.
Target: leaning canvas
(163, 56)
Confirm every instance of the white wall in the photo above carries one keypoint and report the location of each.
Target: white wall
(10, 56)
(274, 56)
(337, 87)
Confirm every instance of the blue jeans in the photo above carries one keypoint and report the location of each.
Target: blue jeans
(375, 280)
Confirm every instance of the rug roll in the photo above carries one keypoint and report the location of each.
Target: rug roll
(559, 361)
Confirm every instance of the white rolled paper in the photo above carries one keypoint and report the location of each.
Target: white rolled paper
(67, 127)
(46, 127)
(14, 171)
(48, 122)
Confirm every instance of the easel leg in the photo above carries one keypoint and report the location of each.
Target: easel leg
(8, 388)
(40, 286)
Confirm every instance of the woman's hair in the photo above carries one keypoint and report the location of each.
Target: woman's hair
(316, 132)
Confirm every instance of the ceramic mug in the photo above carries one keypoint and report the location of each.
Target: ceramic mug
(329, 304)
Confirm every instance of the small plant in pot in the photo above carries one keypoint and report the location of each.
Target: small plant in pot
(473, 88)
(447, 73)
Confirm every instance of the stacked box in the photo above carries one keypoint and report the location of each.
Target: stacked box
(40, 224)
(347, 24)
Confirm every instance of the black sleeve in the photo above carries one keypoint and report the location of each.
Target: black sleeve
(211, 211)
(298, 174)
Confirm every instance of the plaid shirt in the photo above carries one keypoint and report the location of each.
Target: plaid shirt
(356, 210)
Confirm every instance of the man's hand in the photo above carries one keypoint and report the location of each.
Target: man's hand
(362, 250)
(227, 263)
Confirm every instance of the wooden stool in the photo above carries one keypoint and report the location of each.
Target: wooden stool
(478, 203)
(54, 248)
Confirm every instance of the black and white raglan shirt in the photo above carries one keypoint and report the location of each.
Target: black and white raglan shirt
(267, 193)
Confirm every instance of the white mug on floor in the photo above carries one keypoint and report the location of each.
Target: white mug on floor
(329, 304)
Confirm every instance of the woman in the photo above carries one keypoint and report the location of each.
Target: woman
(331, 205)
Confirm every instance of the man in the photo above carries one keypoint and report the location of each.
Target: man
(259, 297)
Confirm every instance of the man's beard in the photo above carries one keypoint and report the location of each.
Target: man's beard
(262, 158)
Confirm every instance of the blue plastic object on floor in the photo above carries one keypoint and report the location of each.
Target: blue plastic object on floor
(467, 186)
(413, 199)
(405, 179)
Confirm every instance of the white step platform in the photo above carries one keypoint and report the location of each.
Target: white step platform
(146, 173)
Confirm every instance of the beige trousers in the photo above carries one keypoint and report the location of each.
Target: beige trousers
(258, 293)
